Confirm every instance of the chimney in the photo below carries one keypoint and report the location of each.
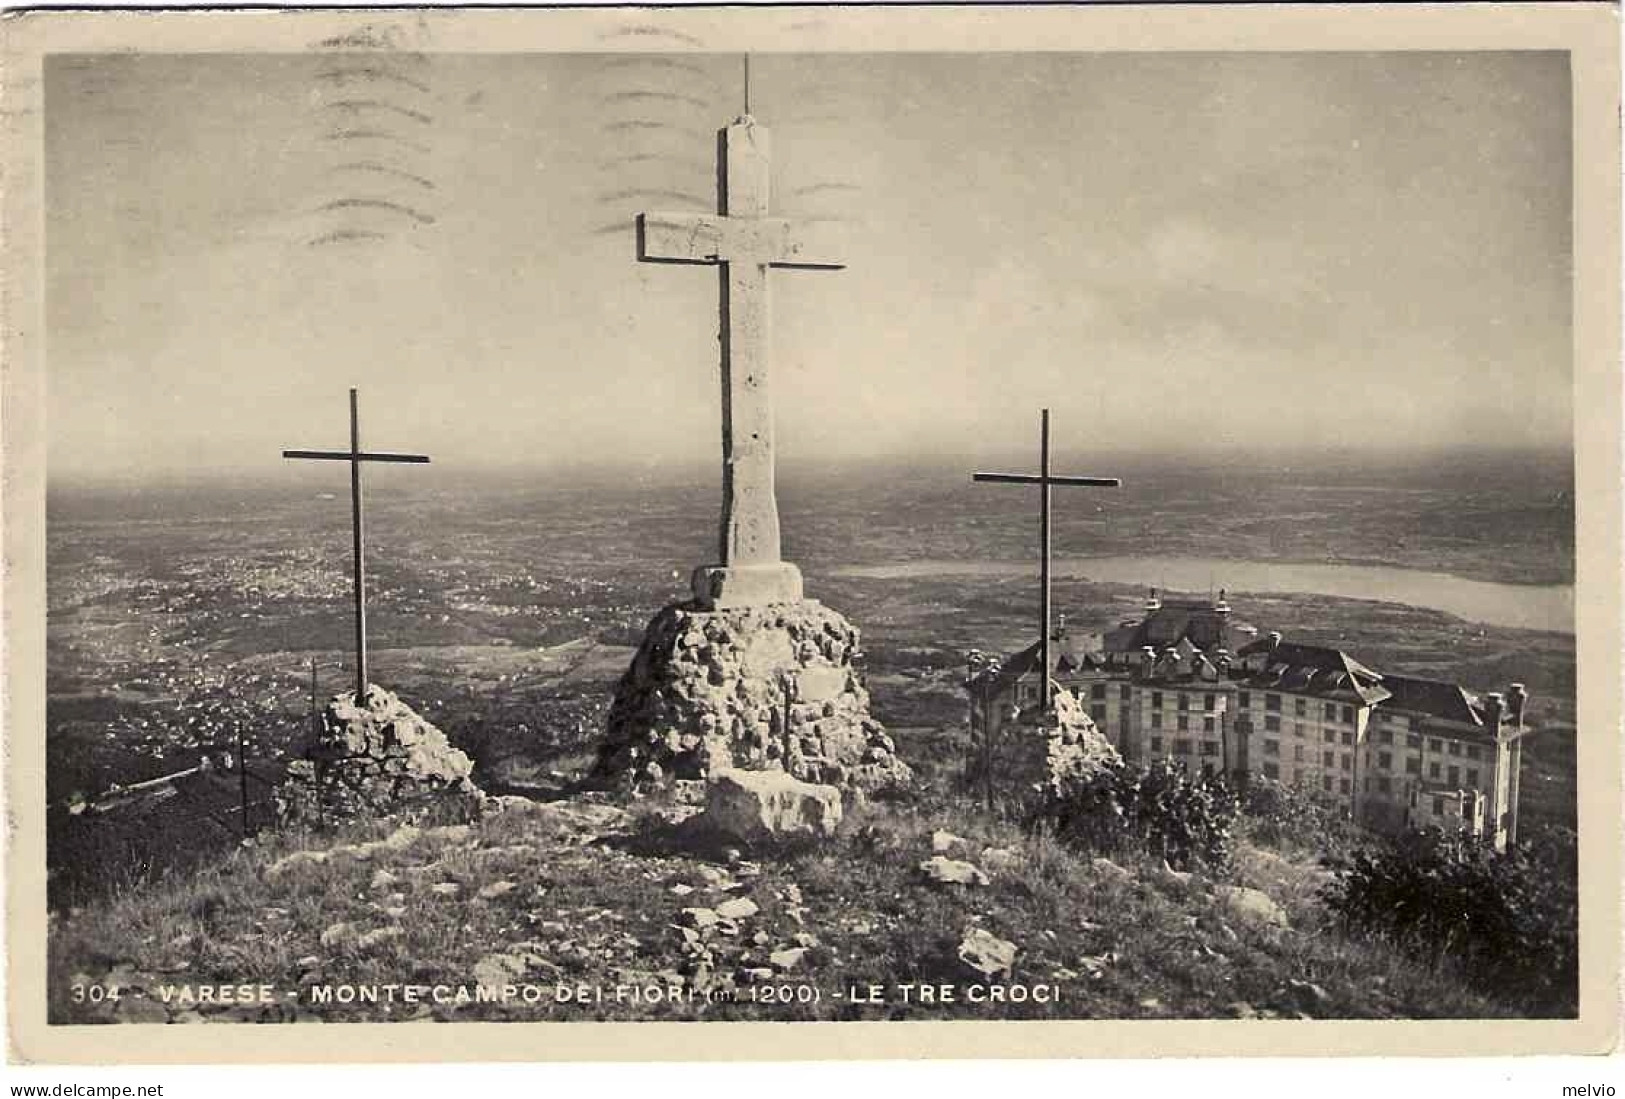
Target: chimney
(1152, 603)
(1517, 697)
(1494, 709)
(1275, 639)
(1148, 660)
(1060, 628)
(1223, 605)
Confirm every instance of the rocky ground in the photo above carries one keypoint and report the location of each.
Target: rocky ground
(583, 909)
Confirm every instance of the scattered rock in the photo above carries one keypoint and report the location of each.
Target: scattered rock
(739, 908)
(1253, 904)
(985, 954)
(382, 879)
(948, 871)
(789, 958)
(1109, 870)
(682, 890)
(770, 805)
(338, 934)
(371, 940)
(946, 843)
(293, 862)
(1241, 1009)
(445, 889)
(1175, 879)
(496, 889)
(1001, 860)
(701, 917)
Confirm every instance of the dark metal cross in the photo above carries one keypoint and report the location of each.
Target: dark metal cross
(1044, 480)
(355, 456)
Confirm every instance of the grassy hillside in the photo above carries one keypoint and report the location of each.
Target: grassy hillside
(590, 896)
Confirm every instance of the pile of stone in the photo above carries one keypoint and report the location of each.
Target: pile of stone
(378, 759)
(758, 688)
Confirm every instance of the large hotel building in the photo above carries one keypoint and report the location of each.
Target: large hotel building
(1399, 752)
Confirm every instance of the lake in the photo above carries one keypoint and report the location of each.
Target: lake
(1520, 606)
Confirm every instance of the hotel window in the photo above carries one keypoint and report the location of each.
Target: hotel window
(1453, 777)
(1385, 736)
(1348, 715)
(1472, 777)
(1326, 782)
(1156, 700)
(1297, 729)
(1438, 807)
(1473, 753)
(1272, 702)
(1297, 775)
(1413, 766)
(1300, 707)
(1207, 725)
(1272, 724)
(1209, 702)
(1098, 691)
(1385, 760)
(1244, 699)
(1098, 712)
(1385, 785)
(1343, 786)
(1413, 741)
(1433, 770)
(1348, 737)
(1182, 747)
(1184, 703)
(1184, 723)
(1297, 753)
(1331, 711)
(1272, 747)
(1272, 771)
(1210, 747)
(1329, 736)
(1329, 758)
(1207, 770)
(1156, 744)
(1434, 745)
(1156, 721)
(1455, 747)
(1348, 762)
(1125, 692)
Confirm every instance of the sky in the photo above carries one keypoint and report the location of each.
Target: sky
(1179, 254)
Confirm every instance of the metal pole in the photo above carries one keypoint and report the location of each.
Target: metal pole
(242, 776)
(1043, 569)
(360, 568)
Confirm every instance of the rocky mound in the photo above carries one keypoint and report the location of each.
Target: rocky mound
(378, 759)
(754, 688)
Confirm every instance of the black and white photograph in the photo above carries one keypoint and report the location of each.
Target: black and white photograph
(669, 521)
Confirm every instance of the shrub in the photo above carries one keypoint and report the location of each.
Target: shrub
(1277, 815)
(1157, 809)
(1508, 922)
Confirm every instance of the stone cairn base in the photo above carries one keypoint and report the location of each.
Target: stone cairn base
(380, 759)
(1033, 758)
(752, 688)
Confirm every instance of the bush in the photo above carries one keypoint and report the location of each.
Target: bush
(1508, 922)
(1157, 810)
(1297, 818)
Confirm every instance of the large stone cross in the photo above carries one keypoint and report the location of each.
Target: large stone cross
(745, 242)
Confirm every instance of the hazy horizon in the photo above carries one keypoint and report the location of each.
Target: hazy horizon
(1201, 255)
